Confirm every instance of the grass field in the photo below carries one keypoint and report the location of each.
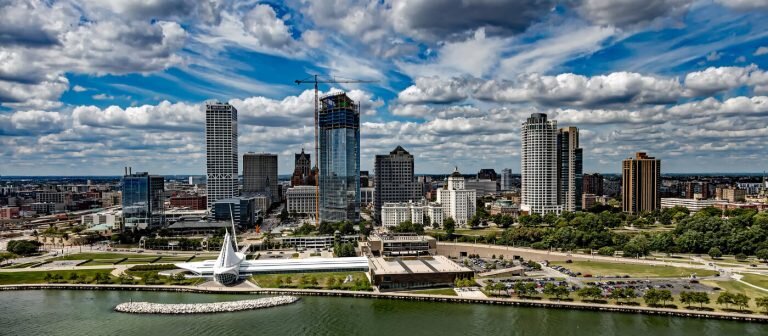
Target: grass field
(435, 291)
(734, 287)
(85, 256)
(757, 280)
(597, 268)
(304, 280)
(13, 278)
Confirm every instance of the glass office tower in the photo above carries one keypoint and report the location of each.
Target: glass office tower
(143, 200)
(339, 133)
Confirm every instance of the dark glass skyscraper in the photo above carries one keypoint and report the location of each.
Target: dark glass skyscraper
(143, 200)
(569, 169)
(339, 128)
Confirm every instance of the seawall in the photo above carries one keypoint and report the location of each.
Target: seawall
(758, 318)
(203, 308)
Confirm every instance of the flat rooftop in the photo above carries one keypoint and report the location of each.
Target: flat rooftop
(390, 237)
(431, 264)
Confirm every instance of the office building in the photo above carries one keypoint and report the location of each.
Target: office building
(240, 209)
(506, 179)
(221, 151)
(143, 200)
(539, 165)
(421, 213)
(458, 202)
(301, 200)
(487, 174)
(697, 190)
(641, 181)
(693, 205)
(339, 133)
(260, 174)
(192, 202)
(394, 179)
(731, 194)
(302, 169)
(592, 184)
(569, 169)
(483, 187)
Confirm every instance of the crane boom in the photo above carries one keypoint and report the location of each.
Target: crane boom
(314, 80)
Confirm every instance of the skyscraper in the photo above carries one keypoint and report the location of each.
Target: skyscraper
(458, 202)
(506, 179)
(539, 165)
(221, 151)
(260, 174)
(339, 128)
(394, 180)
(143, 200)
(593, 184)
(640, 182)
(302, 164)
(569, 169)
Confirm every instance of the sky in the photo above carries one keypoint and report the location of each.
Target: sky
(90, 86)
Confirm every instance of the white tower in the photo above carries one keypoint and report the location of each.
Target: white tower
(221, 151)
(539, 178)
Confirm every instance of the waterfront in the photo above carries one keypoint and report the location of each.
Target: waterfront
(63, 312)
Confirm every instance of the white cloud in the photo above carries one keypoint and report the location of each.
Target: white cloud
(714, 56)
(714, 79)
(761, 51)
(78, 88)
(102, 96)
(435, 90)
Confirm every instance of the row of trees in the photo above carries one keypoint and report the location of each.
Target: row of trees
(744, 232)
(23, 247)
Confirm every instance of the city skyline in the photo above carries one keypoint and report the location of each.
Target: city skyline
(685, 80)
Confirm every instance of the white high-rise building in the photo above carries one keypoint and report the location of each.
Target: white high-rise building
(458, 203)
(539, 166)
(221, 151)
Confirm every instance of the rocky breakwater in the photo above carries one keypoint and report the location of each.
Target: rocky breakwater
(202, 308)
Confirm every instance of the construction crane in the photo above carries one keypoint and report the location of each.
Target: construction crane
(314, 80)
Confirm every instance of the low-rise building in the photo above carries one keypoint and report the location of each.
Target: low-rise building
(9, 213)
(301, 200)
(504, 207)
(193, 202)
(400, 244)
(482, 187)
(421, 272)
(112, 218)
(422, 213)
(692, 204)
(316, 242)
(43, 208)
(240, 209)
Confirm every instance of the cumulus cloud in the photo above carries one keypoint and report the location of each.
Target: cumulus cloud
(435, 90)
(716, 79)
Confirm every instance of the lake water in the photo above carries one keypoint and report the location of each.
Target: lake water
(71, 312)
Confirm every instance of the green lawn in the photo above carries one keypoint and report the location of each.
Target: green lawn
(312, 280)
(23, 265)
(85, 256)
(435, 291)
(734, 287)
(757, 280)
(35, 277)
(598, 268)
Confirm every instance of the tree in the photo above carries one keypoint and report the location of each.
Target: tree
(665, 295)
(652, 297)
(23, 247)
(715, 253)
(606, 251)
(741, 257)
(449, 225)
(741, 300)
(762, 254)
(725, 298)
(762, 302)
(590, 292)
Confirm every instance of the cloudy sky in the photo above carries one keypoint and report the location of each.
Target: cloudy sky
(89, 86)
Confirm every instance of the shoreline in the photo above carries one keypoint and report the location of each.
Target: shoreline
(598, 307)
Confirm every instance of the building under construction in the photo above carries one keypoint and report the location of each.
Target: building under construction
(339, 146)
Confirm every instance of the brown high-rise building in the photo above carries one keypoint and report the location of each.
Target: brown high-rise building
(302, 170)
(640, 182)
(593, 184)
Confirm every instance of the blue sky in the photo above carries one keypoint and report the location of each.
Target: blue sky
(90, 86)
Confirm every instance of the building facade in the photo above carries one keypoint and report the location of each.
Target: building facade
(221, 151)
(240, 209)
(143, 200)
(640, 184)
(301, 200)
(339, 133)
(422, 213)
(506, 179)
(592, 184)
(260, 174)
(458, 202)
(693, 205)
(539, 165)
(193, 202)
(394, 179)
(302, 167)
(569, 169)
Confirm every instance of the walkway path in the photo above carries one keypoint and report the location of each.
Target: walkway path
(738, 277)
